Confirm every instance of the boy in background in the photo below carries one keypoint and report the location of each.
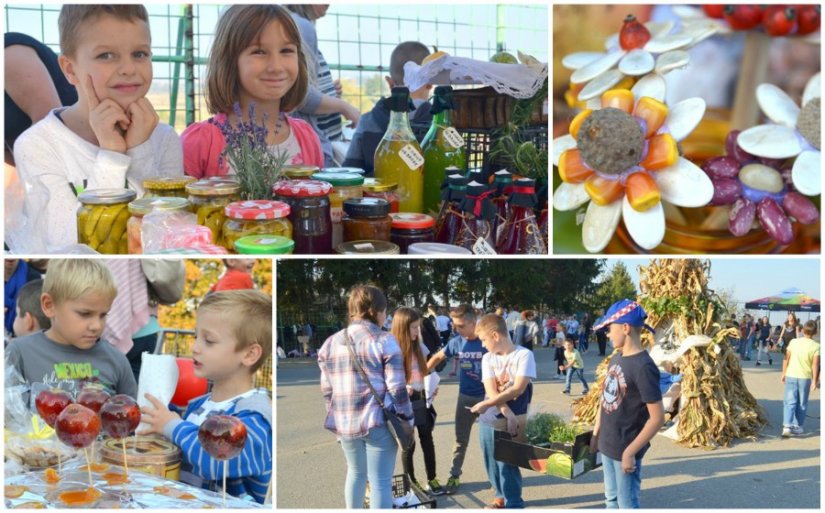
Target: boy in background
(30, 317)
(573, 365)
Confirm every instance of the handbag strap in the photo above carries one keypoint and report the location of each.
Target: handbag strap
(361, 369)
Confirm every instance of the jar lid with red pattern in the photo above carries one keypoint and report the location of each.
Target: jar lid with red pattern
(302, 188)
(412, 221)
(252, 210)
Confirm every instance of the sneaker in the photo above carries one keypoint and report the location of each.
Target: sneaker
(497, 503)
(452, 485)
(797, 430)
(786, 432)
(565, 392)
(415, 483)
(434, 487)
(757, 363)
(770, 362)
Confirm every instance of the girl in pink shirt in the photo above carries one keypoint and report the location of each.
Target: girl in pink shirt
(256, 61)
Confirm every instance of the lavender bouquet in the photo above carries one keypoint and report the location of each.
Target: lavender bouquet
(256, 168)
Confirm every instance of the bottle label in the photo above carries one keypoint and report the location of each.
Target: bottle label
(453, 138)
(482, 247)
(411, 156)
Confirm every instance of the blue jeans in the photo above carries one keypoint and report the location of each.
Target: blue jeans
(505, 478)
(583, 342)
(373, 458)
(749, 346)
(795, 403)
(621, 490)
(569, 377)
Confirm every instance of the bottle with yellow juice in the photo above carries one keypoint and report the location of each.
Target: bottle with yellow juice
(443, 147)
(398, 157)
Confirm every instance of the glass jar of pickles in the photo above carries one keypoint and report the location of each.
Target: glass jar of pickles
(102, 219)
(375, 188)
(411, 228)
(344, 187)
(255, 217)
(366, 219)
(299, 172)
(310, 217)
(166, 186)
(264, 245)
(209, 198)
(141, 207)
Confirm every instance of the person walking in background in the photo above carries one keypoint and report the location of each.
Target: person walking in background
(800, 374)
(764, 339)
(789, 330)
(573, 365)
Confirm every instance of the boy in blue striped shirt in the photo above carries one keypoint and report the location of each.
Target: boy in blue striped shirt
(234, 336)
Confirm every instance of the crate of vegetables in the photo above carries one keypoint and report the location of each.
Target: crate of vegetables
(553, 447)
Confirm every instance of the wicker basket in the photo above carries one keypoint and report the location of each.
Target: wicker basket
(484, 108)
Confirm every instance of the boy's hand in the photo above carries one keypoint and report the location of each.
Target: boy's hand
(480, 407)
(107, 120)
(156, 416)
(628, 462)
(143, 120)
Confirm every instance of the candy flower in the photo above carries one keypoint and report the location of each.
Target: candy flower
(794, 132)
(622, 158)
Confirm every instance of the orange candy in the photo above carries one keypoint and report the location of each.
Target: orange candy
(14, 491)
(602, 191)
(51, 476)
(618, 99)
(661, 152)
(76, 497)
(653, 112)
(642, 192)
(577, 122)
(115, 478)
(572, 168)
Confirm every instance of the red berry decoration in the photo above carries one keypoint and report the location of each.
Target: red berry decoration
(633, 34)
(120, 415)
(222, 436)
(743, 17)
(77, 426)
(779, 20)
(92, 397)
(50, 403)
(807, 19)
(714, 10)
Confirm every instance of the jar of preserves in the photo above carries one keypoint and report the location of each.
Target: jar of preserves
(366, 219)
(410, 228)
(264, 245)
(102, 219)
(166, 186)
(299, 172)
(375, 188)
(367, 247)
(309, 214)
(255, 217)
(209, 198)
(344, 187)
(141, 207)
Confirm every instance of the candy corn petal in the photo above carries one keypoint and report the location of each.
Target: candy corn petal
(618, 99)
(603, 191)
(653, 112)
(577, 122)
(661, 152)
(572, 168)
(642, 192)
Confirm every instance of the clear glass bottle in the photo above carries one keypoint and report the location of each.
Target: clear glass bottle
(449, 218)
(398, 157)
(520, 234)
(477, 217)
(443, 147)
(501, 183)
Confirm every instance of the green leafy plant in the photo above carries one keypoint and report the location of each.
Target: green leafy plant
(540, 426)
(566, 433)
(512, 149)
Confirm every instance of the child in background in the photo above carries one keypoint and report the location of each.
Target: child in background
(77, 295)
(574, 365)
(30, 317)
(256, 60)
(558, 356)
(800, 374)
(110, 138)
(670, 384)
(234, 337)
(238, 275)
(630, 408)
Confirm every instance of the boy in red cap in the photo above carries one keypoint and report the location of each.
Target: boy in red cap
(630, 408)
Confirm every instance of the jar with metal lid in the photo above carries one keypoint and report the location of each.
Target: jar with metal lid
(366, 219)
(209, 198)
(141, 207)
(344, 187)
(309, 214)
(355, 170)
(367, 247)
(375, 188)
(411, 228)
(264, 245)
(102, 219)
(299, 172)
(255, 217)
(166, 186)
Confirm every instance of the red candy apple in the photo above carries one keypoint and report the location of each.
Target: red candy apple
(77, 426)
(93, 397)
(50, 403)
(222, 436)
(120, 415)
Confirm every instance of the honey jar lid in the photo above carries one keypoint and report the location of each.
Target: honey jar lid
(376, 185)
(106, 196)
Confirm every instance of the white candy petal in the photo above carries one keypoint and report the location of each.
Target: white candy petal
(684, 184)
(596, 68)
(600, 224)
(659, 28)
(688, 13)
(637, 62)
(600, 84)
(560, 145)
(807, 173)
(813, 89)
(570, 196)
(652, 85)
(594, 103)
(646, 228)
(771, 141)
(667, 43)
(777, 105)
(683, 117)
(580, 59)
(672, 60)
(611, 44)
(699, 30)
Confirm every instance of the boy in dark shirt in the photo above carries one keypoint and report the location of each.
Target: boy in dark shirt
(630, 410)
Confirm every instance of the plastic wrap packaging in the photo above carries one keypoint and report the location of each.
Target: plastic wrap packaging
(159, 226)
(159, 377)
